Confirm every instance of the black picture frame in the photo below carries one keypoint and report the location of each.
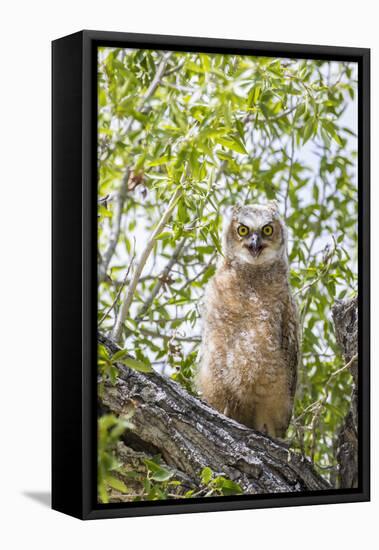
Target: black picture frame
(74, 272)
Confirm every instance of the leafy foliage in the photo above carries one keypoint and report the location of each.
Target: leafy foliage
(110, 428)
(183, 135)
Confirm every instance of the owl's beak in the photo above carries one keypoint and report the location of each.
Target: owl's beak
(255, 244)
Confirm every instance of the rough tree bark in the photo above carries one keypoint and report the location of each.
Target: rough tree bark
(345, 316)
(189, 435)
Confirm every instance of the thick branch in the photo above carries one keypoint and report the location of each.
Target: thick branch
(190, 435)
(345, 316)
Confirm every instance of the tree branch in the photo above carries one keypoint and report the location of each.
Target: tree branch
(124, 310)
(116, 226)
(121, 194)
(151, 89)
(290, 168)
(161, 278)
(190, 435)
(345, 316)
(173, 260)
(123, 283)
(155, 334)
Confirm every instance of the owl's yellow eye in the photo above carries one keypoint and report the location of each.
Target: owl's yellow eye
(242, 230)
(267, 230)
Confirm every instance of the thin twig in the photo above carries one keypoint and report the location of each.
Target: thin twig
(161, 278)
(163, 336)
(283, 114)
(323, 271)
(164, 321)
(273, 118)
(345, 367)
(123, 283)
(320, 402)
(116, 226)
(198, 275)
(151, 89)
(124, 310)
(290, 168)
(175, 257)
(175, 68)
(123, 188)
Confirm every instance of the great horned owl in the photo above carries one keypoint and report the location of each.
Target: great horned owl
(250, 344)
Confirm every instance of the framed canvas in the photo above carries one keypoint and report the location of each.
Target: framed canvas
(210, 275)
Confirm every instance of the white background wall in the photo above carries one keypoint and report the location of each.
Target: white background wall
(26, 31)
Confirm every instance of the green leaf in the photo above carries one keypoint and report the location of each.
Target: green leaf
(194, 68)
(325, 137)
(117, 484)
(229, 487)
(308, 130)
(205, 249)
(182, 211)
(330, 128)
(254, 94)
(104, 212)
(102, 352)
(216, 242)
(137, 365)
(232, 143)
(206, 475)
(164, 235)
(159, 161)
(113, 374)
(121, 354)
(159, 473)
(103, 495)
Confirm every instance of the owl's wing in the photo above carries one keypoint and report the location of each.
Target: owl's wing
(290, 343)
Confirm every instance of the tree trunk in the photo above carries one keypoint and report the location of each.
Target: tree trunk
(189, 435)
(345, 316)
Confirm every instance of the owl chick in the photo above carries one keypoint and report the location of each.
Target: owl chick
(250, 343)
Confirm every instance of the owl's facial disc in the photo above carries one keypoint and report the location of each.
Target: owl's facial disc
(261, 241)
(254, 234)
